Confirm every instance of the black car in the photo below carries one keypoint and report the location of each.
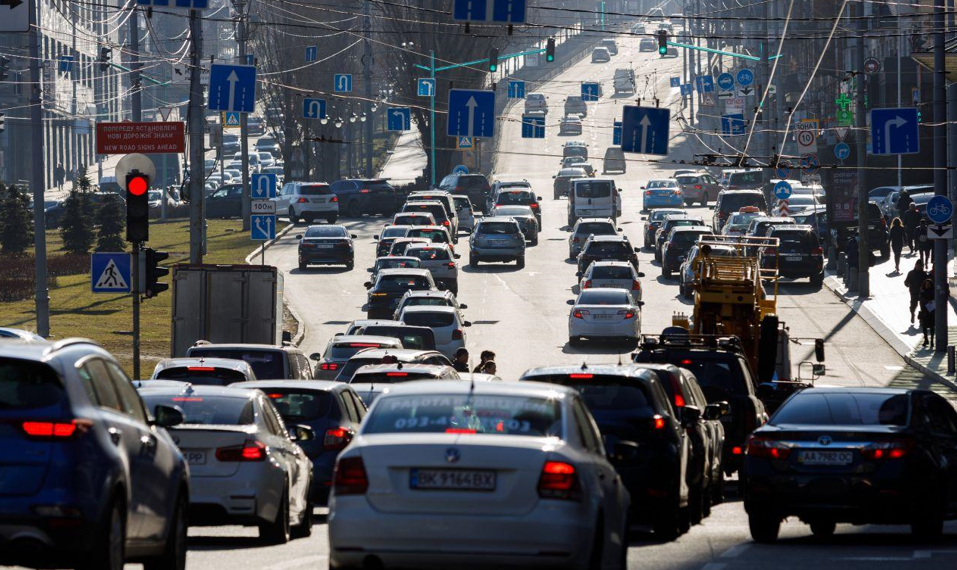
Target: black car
(646, 438)
(731, 201)
(677, 244)
(799, 253)
(654, 220)
(720, 366)
(877, 232)
(475, 186)
(390, 285)
(326, 245)
(607, 248)
(225, 202)
(854, 455)
(668, 224)
(358, 196)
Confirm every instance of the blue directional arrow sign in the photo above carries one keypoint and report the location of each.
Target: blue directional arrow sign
(686, 89)
(400, 119)
(262, 186)
(940, 209)
(842, 150)
(66, 63)
(498, 11)
(185, 4)
(232, 88)
(533, 127)
(590, 91)
(745, 77)
(313, 108)
(616, 133)
(262, 227)
(516, 89)
(110, 273)
(471, 113)
(726, 82)
(645, 130)
(250, 59)
(782, 190)
(732, 124)
(675, 81)
(894, 131)
(426, 87)
(343, 83)
(312, 53)
(705, 83)
(460, 169)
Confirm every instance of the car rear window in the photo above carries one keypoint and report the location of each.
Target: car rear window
(345, 350)
(415, 339)
(505, 198)
(604, 392)
(315, 190)
(298, 407)
(402, 283)
(26, 385)
(204, 410)
(473, 182)
(201, 375)
(611, 272)
(744, 178)
(596, 228)
(687, 180)
(429, 253)
(394, 377)
(796, 241)
(607, 248)
(734, 202)
(434, 235)
(466, 414)
(661, 184)
(603, 297)
(325, 231)
(686, 238)
(266, 364)
(844, 409)
(593, 189)
(498, 228)
(397, 263)
(718, 376)
(430, 320)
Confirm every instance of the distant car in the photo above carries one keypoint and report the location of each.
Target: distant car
(416, 338)
(654, 220)
(446, 323)
(475, 186)
(308, 201)
(610, 45)
(614, 160)
(688, 273)
(465, 213)
(394, 262)
(226, 202)
(343, 347)
(580, 163)
(606, 248)
(435, 234)
(671, 52)
(413, 219)
(401, 245)
(536, 103)
(326, 244)
(731, 201)
(739, 221)
(429, 298)
(606, 314)
(525, 216)
(677, 244)
(402, 356)
(440, 261)
(575, 105)
(358, 196)
(647, 44)
(799, 253)
(587, 227)
(390, 285)
(562, 183)
(497, 239)
(570, 125)
(668, 224)
(204, 371)
(600, 55)
(387, 236)
(662, 193)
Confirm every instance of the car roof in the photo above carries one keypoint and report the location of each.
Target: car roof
(423, 214)
(792, 228)
(611, 263)
(684, 217)
(623, 370)
(396, 257)
(497, 219)
(616, 238)
(428, 293)
(688, 229)
(572, 171)
(364, 338)
(371, 322)
(402, 367)
(226, 363)
(404, 271)
(233, 346)
(200, 391)
(432, 227)
(860, 390)
(315, 385)
(457, 387)
(599, 179)
(430, 245)
(399, 353)
(594, 220)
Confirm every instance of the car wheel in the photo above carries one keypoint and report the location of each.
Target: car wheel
(823, 529)
(695, 503)
(665, 272)
(764, 527)
(353, 209)
(108, 551)
(705, 502)
(817, 279)
(534, 240)
(928, 526)
(596, 559)
(473, 261)
(293, 218)
(304, 528)
(574, 341)
(174, 554)
(277, 532)
(717, 489)
(704, 199)
(665, 525)
(520, 262)
(350, 265)
(331, 219)
(657, 256)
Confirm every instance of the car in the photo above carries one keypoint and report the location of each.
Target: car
(624, 79)
(325, 245)
(394, 262)
(731, 201)
(570, 125)
(332, 410)
(744, 180)
(447, 200)
(662, 193)
(401, 245)
(798, 254)
(605, 314)
(500, 186)
(438, 210)
(549, 496)
(439, 260)
(593, 197)
(688, 272)
(611, 275)
(877, 233)
(76, 495)
(858, 455)
(269, 362)
(341, 348)
(797, 203)
(606, 248)
(416, 338)
(413, 219)
(434, 234)
(446, 323)
(309, 201)
(244, 466)
(226, 202)
(654, 220)
(562, 181)
(390, 356)
(647, 44)
(536, 103)
(387, 236)
(575, 105)
(465, 213)
(524, 215)
(19, 334)
(475, 186)
(610, 45)
(279, 171)
(358, 196)
(390, 285)
(204, 371)
(266, 160)
(737, 223)
(255, 125)
(371, 380)
(614, 160)
(429, 298)
(674, 251)
(760, 225)
(700, 187)
(671, 52)
(669, 223)
(497, 239)
(586, 227)
(600, 55)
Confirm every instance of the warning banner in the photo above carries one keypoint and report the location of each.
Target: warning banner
(143, 138)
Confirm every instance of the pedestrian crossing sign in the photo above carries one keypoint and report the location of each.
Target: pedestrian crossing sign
(465, 143)
(231, 120)
(110, 272)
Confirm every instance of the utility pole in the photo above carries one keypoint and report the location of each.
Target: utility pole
(941, 289)
(367, 63)
(864, 251)
(197, 147)
(240, 6)
(137, 99)
(763, 97)
(42, 296)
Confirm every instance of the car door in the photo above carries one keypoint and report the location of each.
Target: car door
(282, 199)
(605, 474)
(289, 453)
(943, 434)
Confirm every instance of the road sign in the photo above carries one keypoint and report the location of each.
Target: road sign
(313, 108)
(872, 65)
(465, 143)
(843, 102)
(426, 87)
(675, 81)
(533, 127)
(940, 209)
(707, 100)
(471, 113)
(806, 133)
(732, 124)
(894, 131)
(263, 207)
(143, 138)
(745, 91)
(110, 272)
(705, 83)
(590, 91)
(262, 227)
(183, 4)
(497, 11)
(232, 88)
(312, 53)
(164, 112)
(940, 232)
(726, 82)
(686, 89)
(66, 64)
(734, 104)
(810, 164)
(400, 119)
(783, 170)
(250, 59)
(841, 132)
(460, 169)
(15, 15)
(842, 151)
(343, 82)
(782, 190)
(845, 118)
(231, 120)
(616, 133)
(263, 186)
(645, 130)
(745, 77)
(516, 89)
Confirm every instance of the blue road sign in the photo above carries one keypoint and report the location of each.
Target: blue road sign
(516, 89)
(263, 186)
(842, 150)
(426, 87)
(250, 59)
(460, 169)
(343, 82)
(686, 89)
(187, 4)
(782, 190)
(262, 227)
(232, 88)
(675, 82)
(471, 113)
(810, 164)
(533, 127)
(110, 273)
(783, 171)
(232, 120)
(645, 130)
(66, 63)
(745, 77)
(465, 143)
(312, 53)
(732, 124)
(313, 108)
(726, 82)
(894, 131)
(940, 209)
(498, 11)
(400, 119)
(590, 91)
(705, 83)
(616, 133)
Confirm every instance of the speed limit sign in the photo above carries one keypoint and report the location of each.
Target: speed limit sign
(807, 136)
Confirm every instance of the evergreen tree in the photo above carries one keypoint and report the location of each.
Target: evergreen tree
(16, 227)
(109, 220)
(76, 228)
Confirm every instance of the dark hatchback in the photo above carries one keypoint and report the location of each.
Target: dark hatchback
(607, 248)
(391, 285)
(475, 186)
(799, 253)
(326, 245)
(677, 246)
(358, 196)
(333, 411)
(225, 202)
(668, 224)
(854, 455)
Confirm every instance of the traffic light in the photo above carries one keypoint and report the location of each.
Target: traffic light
(4, 68)
(2, 126)
(137, 207)
(493, 59)
(662, 42)
(106, 54)
(152, 272)
(550, 50)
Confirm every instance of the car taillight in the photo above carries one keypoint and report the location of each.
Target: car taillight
(457, 334)
(627, 314)
(451, 265)
(329, 366)
(580, 314)
(679, 401)
(350, 477)
(559, 481)
(586, 284)
(894, 449)
(302, 201)
(458, 188)
(445, 223)
(533, 205)
(647, 192)
(334, 199)
(55, 430)
(249, 451)
(767, 448)
(336, 438)
(575, 239)
(659, 422)
(364, 191)
(697, 187)
(636, 286)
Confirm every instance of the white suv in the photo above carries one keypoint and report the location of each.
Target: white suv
(446, 324)
(309, 201)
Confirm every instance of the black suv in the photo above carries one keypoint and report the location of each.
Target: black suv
(390, 285)
(799, 253)
(670, 223)
(877, 233)
(677, 244)
(475, 186)
(720, 366)
(358, 196)
(607, 248)
(731, 201)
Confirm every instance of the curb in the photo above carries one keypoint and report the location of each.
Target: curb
(301, 329)
(268, 244)
(301, 325)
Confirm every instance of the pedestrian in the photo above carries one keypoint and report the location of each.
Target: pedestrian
(897, 236)
(490, 367)
(461, 363)
(484, 357)
(903, 202)
(927, 308)
(911, 219)
(58, 175)
(923, 242)
(915, 278)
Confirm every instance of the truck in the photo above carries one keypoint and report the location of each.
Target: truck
(225, 304)
(625, 81)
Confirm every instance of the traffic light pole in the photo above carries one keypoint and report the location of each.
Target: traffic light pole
(941, 287)
(135, 290)
(42, 296)
(864, 251)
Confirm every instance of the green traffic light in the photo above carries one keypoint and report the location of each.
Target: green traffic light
(493, 68)
(662, 51)
(550, 58)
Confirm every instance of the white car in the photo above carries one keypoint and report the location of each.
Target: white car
(448, 474)
(371, 380)
(612, 275)
(604, 313)
(446, 323)
(309, 201)
(244, 466)
(465, 213)
(428, 298)
(439, 259)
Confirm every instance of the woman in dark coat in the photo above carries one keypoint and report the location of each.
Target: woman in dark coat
(897, 238)
(927, 310)
(924, 244)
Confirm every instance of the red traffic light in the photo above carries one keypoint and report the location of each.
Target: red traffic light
(137, 185)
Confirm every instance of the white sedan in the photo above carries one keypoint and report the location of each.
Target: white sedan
(478, 474)
(604, 313)
(612, 275)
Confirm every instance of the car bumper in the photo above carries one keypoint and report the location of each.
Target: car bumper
(663, 202)
(497, 253)
(608, 212)
(315, 208)
(248, 497)
(326, 256)
(629, 328)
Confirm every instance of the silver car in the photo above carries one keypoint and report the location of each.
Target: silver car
(604, 313)
(586, 227)
(497, 239)
(446, 323)
(439, 259)
(698, 187)
(611, 275)
(343, 347)
(204, 371)
(465, 213)
(525, 218)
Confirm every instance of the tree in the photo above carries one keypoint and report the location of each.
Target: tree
(76, 228)
(16, 228)
(109, 220)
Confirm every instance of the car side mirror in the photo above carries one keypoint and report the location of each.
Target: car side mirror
(456, 256)
(298, 236)
(641, 274)
(467, 324)
(578, 274)
(570, 302)
(367, 285)
(167, 416)
(302, 433)
(641, 187)
(690, 415)
(637, 249)
(375, 237)
(639, 303)
(713, 412)
(819, 349)
(463, 306)
(316, 355)
(625, 451)
(354, 236)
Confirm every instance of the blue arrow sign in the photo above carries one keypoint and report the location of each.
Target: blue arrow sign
(426, 87)
(645, 130)
(732, 124)
(616, 133)
(66, 63)
(499, 11)
(343, 83)
(471, 113)
(705, 83)
(262, 227)
(312, 53)
(516, 89)
(782, 190)
(262, 186)
(232, 88)
(745, 77)
(313, 108)
(675, 81)
(726, 82)
(940, 209)
(460, 169)
(110, 273)
(842, 151)
(400, 119)
(686, 89)
(250, 59)
(590, 91)
(894, 131)
(533, 127)
(186, 4)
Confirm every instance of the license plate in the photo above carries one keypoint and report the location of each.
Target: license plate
(826, 457)
(452, 479)
(793, 258)
(603, 317)
(498, 242)
(195, 457)
(324, 247)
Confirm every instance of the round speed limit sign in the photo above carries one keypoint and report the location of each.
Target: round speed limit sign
(805, 138)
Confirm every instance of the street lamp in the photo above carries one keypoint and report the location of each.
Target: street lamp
(363, 117)
(352, 118)
(324, 120)
(338, 123)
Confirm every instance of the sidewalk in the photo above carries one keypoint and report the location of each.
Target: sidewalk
(407, 160)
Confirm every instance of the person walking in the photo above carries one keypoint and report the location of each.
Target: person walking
(923, 242)
(911, 219)
(461, 363)
(897, 237)
(914, 280)
(903, 202)
(484, 357)
(927, 309)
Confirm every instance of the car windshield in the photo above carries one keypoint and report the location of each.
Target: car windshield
(26, 385)
(429, 253)
(661, 184)
(498, 228)
(844, 409)
(412, 338)
(201, 375)
(604, 394)
(426, 319)
(603, 297)
(595, 229)
(300, 406)
(325, 231)
(402, 283)
(466, 414)
(266, 364)
(600, 189)
(687, 180)
(612, 272)
(204, 410)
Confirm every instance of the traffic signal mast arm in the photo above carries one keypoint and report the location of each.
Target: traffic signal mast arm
(718, 51)
(478, 61)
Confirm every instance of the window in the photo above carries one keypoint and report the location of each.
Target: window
(276, 427)
(325, 232)
(844, 409)
(349, 405)
(586, 428)
(431, 320)
(28, 385)
(943, 419)
(102, 384)
(129, 399)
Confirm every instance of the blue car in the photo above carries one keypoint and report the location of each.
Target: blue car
(663, 193)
